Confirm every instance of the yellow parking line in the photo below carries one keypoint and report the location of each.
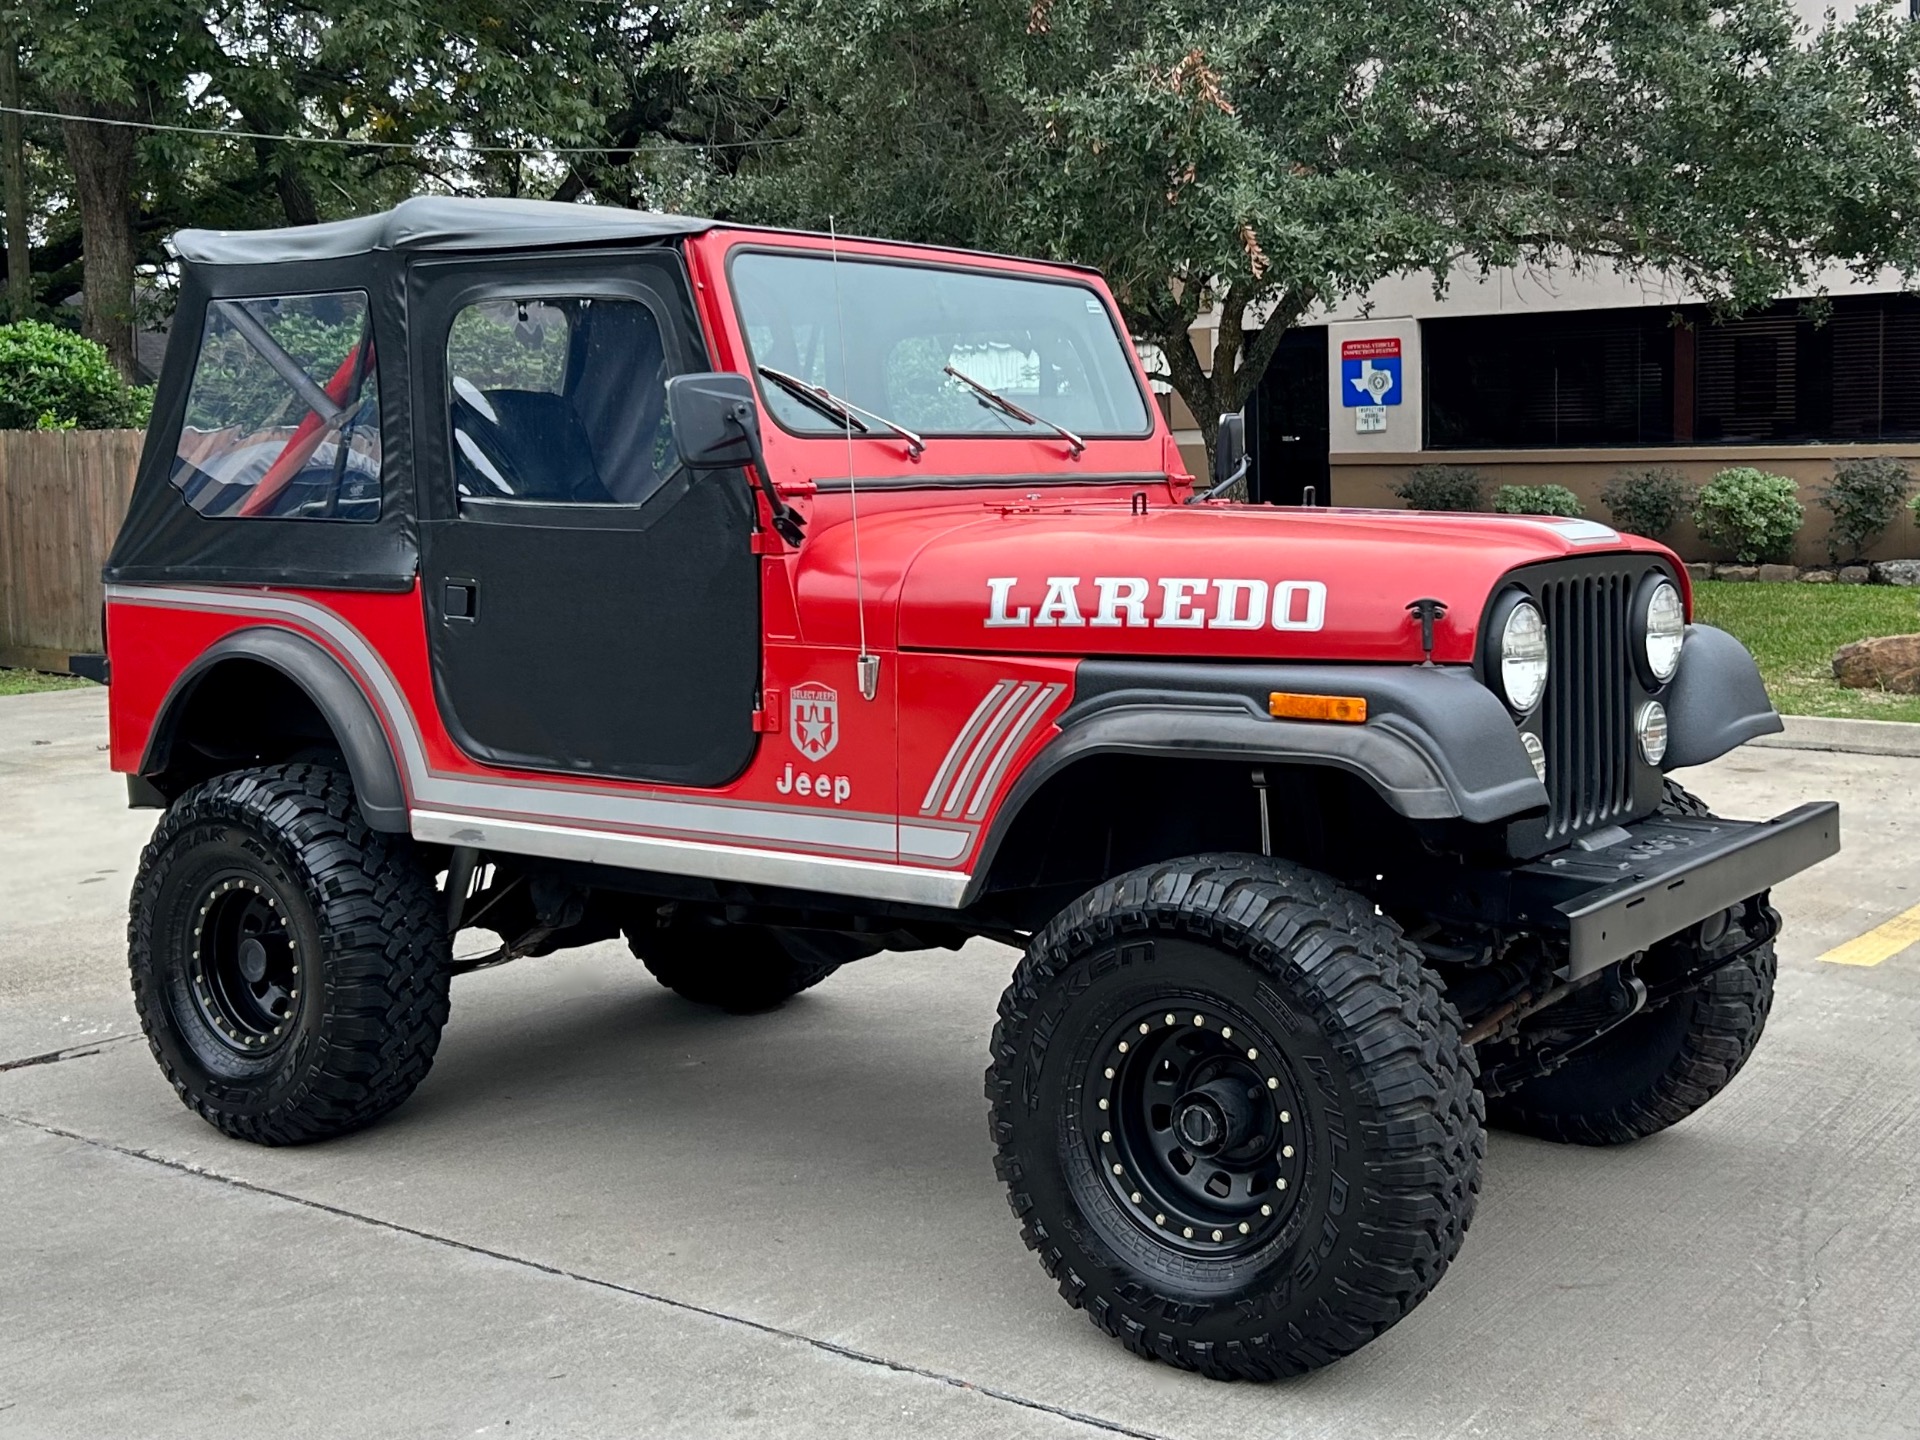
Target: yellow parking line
(1880, 943)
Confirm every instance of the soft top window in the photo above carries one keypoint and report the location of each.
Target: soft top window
(559, 400)
(882, 336)
(283, 414)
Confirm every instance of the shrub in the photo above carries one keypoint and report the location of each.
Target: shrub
(1442, 487)
(1751, 513)
(1646, 502)
(1537, 500)
(52, 379)
(1863, 499)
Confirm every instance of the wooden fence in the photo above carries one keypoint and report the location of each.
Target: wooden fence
(63, 494)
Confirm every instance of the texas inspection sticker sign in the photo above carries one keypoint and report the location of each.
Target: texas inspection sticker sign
(1370, 372)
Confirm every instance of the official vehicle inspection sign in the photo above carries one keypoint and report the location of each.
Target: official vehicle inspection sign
(1370, 372)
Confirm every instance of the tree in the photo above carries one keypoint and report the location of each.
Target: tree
(1262, 158)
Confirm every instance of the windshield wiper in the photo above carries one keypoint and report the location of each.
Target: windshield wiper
(823, 401)
(995, 400)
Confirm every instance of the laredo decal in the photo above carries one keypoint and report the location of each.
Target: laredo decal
(816, 719)
(1122, 601)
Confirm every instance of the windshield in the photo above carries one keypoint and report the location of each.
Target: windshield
(1050, 346)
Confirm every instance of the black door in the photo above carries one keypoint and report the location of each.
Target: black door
(1287, 430)
(591, 606)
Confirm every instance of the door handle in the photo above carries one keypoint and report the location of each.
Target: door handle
(461, 600)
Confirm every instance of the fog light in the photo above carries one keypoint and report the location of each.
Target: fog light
(1651, 725)
(1536, 752)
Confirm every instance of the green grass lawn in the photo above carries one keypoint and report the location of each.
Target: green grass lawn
(32, 682)
(1793, 630)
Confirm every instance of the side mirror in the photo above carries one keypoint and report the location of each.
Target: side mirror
(716, 426)
(1229, 450)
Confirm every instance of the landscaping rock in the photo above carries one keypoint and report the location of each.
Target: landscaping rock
(1896, 572)
(1855, 574)
(1699, 572)
(1777, 574)
(1817, 577)
(1736, 572)
(1887, 662)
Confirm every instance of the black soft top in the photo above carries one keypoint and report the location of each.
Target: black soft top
(436, 222)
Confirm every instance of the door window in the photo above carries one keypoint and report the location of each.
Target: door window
(559, 400)
(283, 414)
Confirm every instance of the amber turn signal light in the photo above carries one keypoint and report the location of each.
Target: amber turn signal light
(1351, 709)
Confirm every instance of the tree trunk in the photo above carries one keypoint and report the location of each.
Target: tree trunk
(101, 157)
(13, 162)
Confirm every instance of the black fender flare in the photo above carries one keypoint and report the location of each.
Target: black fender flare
(1436, 745)
(334, 693)
(1716, 701)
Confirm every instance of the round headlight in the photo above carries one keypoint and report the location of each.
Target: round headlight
(1651, 727)
(1523, 656)
(1663, 627)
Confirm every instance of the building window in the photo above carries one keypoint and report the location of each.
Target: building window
(1549, 381)
(1634, 377)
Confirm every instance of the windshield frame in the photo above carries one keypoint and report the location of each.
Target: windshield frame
(1008, 268)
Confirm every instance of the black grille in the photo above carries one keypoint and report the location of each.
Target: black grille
(1587, 725)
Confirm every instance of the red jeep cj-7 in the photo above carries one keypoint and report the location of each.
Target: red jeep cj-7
(565, 572)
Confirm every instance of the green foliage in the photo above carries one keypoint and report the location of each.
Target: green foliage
(1442, 487)
(1793, 631)
(234, 386)
(1646, 502)
(1750, 512)
(51, 379)
(1537, 500)
(1267, 156)
(1863, 498)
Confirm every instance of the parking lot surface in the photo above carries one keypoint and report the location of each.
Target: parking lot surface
(608, 1212)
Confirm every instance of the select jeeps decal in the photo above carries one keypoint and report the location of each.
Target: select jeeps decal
(1170, 603)
(816, 719)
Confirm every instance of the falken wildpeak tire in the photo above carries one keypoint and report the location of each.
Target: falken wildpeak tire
(1660, 1066)
(742, 969)
(290, 966)
(1360, 1175)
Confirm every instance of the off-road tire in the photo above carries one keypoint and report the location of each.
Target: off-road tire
(742, 969)
(361, 932)
(1387, 1139)
(1660, 1066)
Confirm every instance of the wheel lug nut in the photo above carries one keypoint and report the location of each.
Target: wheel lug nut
(1135, 1197)
(1159, 1219)
(1123, 1047)
(1143, 1027)
(1117, 1170)
(1281, 1183)
(1253, 1054)
(1226, 1032)
(1287, 1150)
(1103, 1102)
(1286, 1117)
(1272, 1083)
(1266, 1209)
(1169, 1019)
(1109, 1072)
(1218, 1236)
(1106, 1137)
(1201, 1021)
(1186, 1232)
(1245, 1227)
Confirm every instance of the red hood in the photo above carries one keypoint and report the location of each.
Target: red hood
(1015, 578)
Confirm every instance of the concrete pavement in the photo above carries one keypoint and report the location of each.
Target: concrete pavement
(610, 1212)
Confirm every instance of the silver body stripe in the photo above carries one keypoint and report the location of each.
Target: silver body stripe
(960, 743)
(1009, 747)
(1002, 716)
(534, 819)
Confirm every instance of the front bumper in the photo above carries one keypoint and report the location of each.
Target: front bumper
(1661, 875)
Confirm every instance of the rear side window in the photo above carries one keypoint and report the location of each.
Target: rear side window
(559, 400)
(283, 415)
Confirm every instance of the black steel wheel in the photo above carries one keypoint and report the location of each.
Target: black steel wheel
(742, 969)
(289, 965)
(1234, 1115)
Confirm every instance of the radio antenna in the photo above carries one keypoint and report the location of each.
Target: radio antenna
(867, 665)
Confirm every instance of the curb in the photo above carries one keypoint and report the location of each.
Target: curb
(1854, 737)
